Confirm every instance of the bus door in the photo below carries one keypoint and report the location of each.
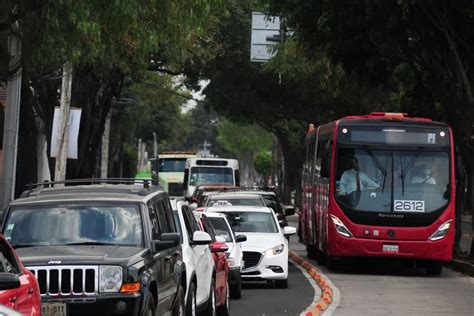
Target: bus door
(324, 162)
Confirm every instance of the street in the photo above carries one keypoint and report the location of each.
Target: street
(378, 287)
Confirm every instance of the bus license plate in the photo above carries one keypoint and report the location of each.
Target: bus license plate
(56, 309)
(390, 248)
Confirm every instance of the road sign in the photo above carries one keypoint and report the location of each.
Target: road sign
(265, 34)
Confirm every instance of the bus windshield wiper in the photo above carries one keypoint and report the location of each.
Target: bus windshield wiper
(377, 164)
(404, 171)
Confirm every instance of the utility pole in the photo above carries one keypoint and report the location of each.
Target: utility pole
(139, 158)
(61, 158)
(104, 165)
(12, 119)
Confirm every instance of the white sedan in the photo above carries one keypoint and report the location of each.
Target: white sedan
(265, 252)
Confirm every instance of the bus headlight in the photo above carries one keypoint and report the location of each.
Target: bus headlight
(442, 231)
(110, 278)
(340, 227)
(275, 250)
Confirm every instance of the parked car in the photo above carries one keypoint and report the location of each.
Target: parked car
(19, 290)
(100, 248)
(198, 259)
(265, 252)
(234, 254)
(218, 248)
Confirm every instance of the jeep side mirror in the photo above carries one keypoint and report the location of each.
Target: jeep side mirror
(9, 281)
(167, 241)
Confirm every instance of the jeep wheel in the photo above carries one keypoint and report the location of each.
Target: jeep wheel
(179, 308)
(211, 303)
(191, 301)
(224, 310)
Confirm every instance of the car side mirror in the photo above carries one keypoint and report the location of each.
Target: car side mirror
(219, 247)
(201, 238)
(289, 211)
(240, 238)
(9, 281)
(288, 230)
(167, 241)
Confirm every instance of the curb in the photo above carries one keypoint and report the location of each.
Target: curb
(326, 290)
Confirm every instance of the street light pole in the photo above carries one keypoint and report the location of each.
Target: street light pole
(12, 119)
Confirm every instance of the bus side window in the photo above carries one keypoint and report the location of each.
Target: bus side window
(317, 160)
(326, 159)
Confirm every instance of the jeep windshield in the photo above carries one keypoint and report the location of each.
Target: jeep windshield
(74, 224)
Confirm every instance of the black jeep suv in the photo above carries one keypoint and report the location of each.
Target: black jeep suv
(99, 249)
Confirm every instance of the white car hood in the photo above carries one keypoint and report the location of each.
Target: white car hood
(261, 241)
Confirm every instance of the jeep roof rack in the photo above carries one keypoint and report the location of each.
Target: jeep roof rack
(36, 187)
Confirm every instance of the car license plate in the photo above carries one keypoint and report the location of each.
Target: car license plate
(390, 248)
(54, 309)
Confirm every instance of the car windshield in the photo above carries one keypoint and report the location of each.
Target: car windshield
(252, 222)
(201, 175)
(234, 201)
(50, 225)
(172, 165)
(221, 228)
(392, 181)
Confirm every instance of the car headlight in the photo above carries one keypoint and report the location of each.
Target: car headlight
(110, 278)
(340, 227)
(275, 250)
(442, 231)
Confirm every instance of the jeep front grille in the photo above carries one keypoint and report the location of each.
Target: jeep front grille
(175, 189)
(67, 280)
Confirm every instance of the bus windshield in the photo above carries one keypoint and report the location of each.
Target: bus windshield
(410, 181)
(202, 175)
(172, 164)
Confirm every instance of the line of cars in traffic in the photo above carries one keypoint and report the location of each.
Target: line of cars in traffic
(121, 248)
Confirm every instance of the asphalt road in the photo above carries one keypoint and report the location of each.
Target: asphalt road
(380, 287)
(265, 299)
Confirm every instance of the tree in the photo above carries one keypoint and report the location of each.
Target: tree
(243, 141)
(263, 163)
(106, 42)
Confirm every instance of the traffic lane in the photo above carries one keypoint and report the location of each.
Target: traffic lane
(376, 287)
(265, 299)
(379, 287)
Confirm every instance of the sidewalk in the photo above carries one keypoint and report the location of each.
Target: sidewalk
(465, 263)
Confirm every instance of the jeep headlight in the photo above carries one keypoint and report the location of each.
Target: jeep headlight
(110, 278)
(275, 250)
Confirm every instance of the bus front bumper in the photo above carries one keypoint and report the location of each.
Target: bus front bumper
(341, 246)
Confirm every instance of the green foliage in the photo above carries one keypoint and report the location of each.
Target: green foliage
(263, 163)
(242, 140)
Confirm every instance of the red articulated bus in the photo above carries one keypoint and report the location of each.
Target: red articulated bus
(379, 185)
